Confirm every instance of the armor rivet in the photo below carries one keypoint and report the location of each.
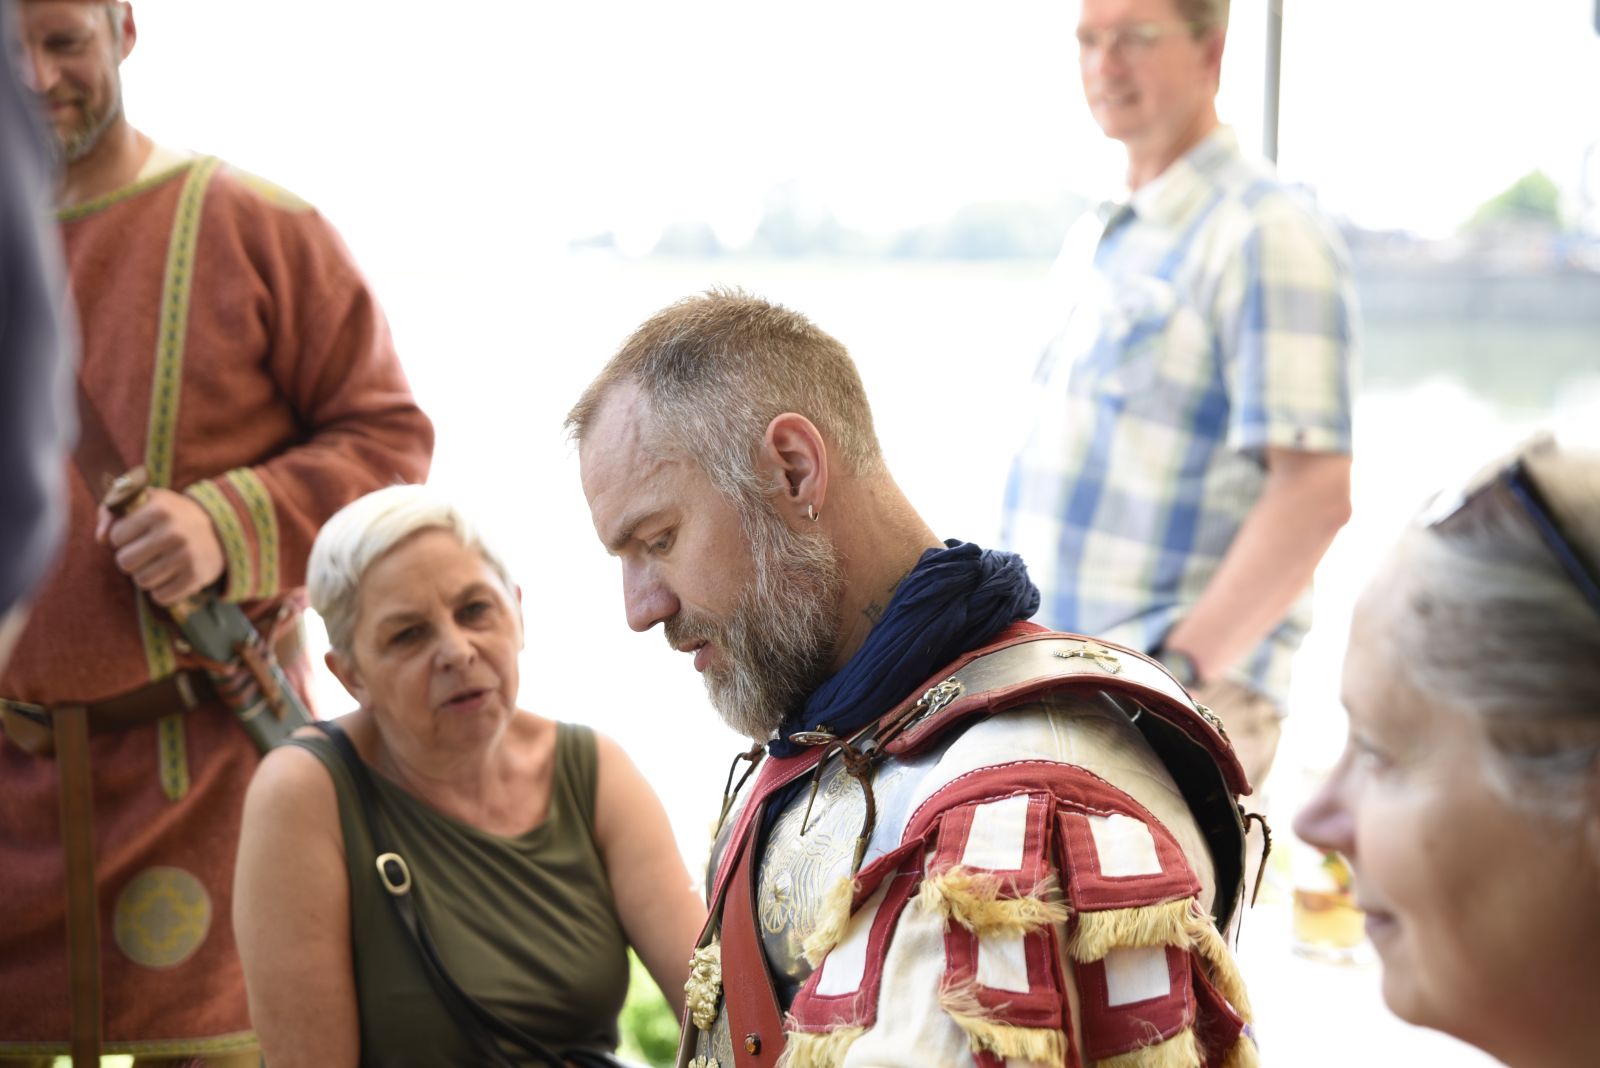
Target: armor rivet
(752, 1043)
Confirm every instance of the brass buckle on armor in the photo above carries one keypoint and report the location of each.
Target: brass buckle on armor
(934, 701)
(394, 872)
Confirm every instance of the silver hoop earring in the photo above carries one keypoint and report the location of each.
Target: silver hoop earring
(811, 513)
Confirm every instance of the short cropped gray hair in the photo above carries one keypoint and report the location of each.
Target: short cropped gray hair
(114, 10)
(366, 530)
(1209, 14)
(1492, 623)
(716, 368)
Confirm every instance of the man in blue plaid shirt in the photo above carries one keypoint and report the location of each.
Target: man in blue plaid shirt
(1190, 461)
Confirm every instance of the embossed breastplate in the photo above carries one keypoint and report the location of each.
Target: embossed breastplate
(798, 869)
(805, 856)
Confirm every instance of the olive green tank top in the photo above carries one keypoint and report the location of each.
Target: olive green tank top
(526, 925)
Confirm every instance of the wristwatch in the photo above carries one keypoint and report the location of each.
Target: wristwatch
(1180, 664)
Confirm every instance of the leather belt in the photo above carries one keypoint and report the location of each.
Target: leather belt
(29, 725)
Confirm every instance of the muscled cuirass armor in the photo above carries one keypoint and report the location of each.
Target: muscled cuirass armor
(803, 856)
(812, 841)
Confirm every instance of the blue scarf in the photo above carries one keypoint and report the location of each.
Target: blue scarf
(955, 599)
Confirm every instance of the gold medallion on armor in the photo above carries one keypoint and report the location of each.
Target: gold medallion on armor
(162, 917)
(703, 990)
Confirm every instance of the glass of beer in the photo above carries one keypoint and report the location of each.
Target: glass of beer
(1327, 924)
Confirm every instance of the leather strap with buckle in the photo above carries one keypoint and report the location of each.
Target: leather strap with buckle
(30, 726)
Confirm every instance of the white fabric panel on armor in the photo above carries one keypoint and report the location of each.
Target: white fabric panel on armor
(846, 965)
(912, 1031)
(997, 835)
(1072, 732)
(1125, 846)
(1003, 963)
(1137, 974)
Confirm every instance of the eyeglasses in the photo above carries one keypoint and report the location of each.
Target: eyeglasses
(1133, 41)
(1519, 483)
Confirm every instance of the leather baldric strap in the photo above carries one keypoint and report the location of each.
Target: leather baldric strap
(71, 726)
(747, 994)
(753, 1011)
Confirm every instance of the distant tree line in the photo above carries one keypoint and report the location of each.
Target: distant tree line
(790, 229)
(1534, 199)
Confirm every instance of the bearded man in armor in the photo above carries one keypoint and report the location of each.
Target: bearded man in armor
(965, 839)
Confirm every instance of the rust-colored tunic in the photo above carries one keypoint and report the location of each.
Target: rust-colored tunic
(230, 344)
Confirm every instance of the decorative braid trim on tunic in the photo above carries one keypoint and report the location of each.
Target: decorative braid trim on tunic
(240, 572)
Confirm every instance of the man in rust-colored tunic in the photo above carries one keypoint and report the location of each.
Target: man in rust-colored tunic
(231, 345)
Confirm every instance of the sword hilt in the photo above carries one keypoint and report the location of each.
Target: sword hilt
(128, 492)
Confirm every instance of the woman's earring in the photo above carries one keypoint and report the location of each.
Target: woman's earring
(811, 513)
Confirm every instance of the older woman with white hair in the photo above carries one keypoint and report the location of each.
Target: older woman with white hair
(1468, 796)
(441, 877)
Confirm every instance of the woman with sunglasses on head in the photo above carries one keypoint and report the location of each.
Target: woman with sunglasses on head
(1468, 795)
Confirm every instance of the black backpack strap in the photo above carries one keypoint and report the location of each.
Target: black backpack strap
(475, 1019)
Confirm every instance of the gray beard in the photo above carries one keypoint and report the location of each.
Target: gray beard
(78, 143)
(779, 640)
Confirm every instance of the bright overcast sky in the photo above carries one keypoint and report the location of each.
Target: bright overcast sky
(418, 123)
(459, 148)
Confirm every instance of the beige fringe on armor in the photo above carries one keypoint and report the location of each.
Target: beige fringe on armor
(976, 901)
(1184, 925)
(822, 1050)
(833, 920)
(1040, 1044)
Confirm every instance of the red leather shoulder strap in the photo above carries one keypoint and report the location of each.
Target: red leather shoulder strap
(754, 1018)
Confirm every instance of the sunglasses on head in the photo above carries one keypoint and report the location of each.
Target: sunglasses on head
(1519, 483)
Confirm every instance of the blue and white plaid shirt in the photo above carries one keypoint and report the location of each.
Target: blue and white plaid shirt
(1213, 318)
